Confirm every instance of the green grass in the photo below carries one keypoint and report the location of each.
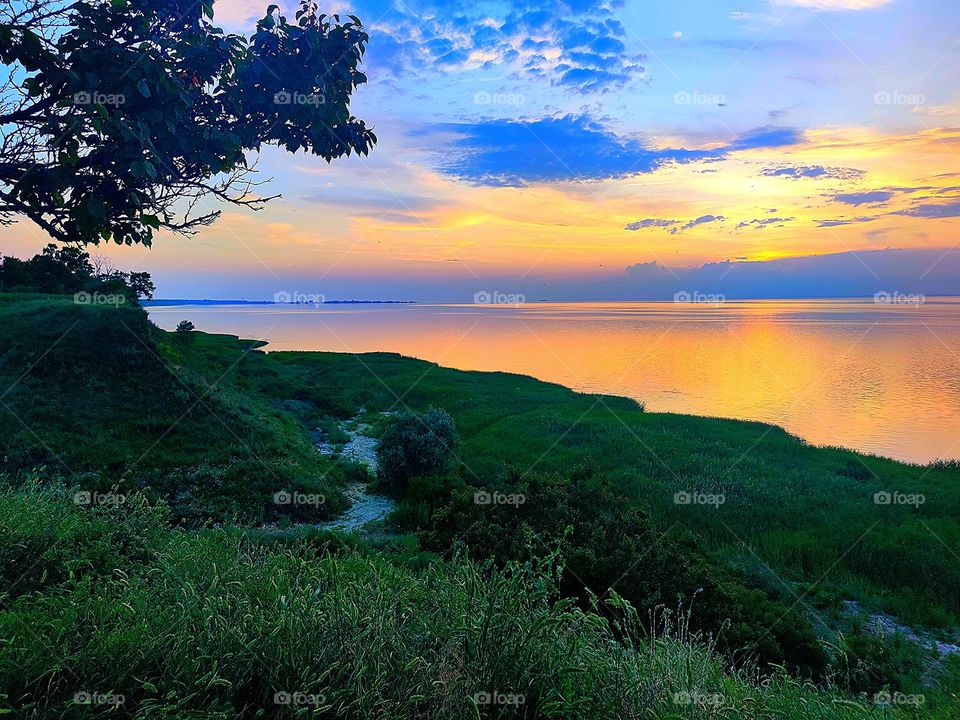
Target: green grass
(210, 625)
(801, 517)
(102, 398)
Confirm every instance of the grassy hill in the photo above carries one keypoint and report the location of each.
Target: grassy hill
(98, 396)
(141, 597)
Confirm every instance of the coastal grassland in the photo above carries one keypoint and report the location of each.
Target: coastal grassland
(801, 522)
(98, 396)
(154, 622)
(205, 428)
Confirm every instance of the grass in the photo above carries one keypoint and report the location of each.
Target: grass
(802, 519)
(210, 625)
(99, 396)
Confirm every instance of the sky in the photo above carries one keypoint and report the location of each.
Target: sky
(610, 149)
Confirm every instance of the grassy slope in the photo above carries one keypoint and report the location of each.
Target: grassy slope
(100, 397)
(808, 513)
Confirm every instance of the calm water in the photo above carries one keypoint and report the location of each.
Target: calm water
(884, 379)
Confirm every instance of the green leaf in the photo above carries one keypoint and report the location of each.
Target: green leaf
(143, 88)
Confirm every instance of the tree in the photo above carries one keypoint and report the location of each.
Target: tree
(415, 445)
(69, 270)
(119, 118)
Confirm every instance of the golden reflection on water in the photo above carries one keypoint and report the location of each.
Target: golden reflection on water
(879, 378)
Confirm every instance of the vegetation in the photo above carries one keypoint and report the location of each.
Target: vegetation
(142, 621)
(97, 395)
(69, 270)
(120, 117)
(415, 445)
(575, 531)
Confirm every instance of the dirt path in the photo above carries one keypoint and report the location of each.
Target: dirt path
(365, 507)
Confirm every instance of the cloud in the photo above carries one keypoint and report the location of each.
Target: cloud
(672, 225)
(702, 220)
(933, 210)
(583, 50)
(844, 221)
(650, 222)
(380, 203)
(517, 152)
(797, 172)
(871, 197)
(760, 224)
(848, 274)
(569, 148)
(768, 136)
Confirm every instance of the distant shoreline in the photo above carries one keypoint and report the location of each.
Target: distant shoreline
(170, 302)
(174, 301)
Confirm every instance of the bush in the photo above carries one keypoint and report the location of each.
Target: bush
(415, 445)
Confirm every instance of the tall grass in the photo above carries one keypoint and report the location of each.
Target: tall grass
(210, 625)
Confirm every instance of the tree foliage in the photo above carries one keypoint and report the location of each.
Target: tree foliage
(124, 117)
(69, 270)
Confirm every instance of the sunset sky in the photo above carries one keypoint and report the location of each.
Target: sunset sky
(611, 150)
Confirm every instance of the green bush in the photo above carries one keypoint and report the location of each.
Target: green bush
(415, 445)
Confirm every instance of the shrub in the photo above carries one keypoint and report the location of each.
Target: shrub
(415, 445)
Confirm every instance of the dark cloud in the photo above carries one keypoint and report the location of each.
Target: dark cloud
(650, 222)
(813, 171)
(760, 224)
(844, 221)
(673, 226)
(578, 148)
(933, 210)
(515, 152)
(847, 274)
(767, 137)
(702, 220)
(870, 197)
